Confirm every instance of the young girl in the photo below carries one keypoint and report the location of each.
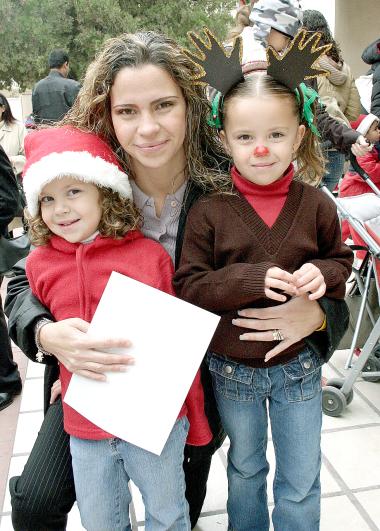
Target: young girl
(84, 224)
(275, 237)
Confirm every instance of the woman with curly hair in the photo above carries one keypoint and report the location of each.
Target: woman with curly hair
(139, 95)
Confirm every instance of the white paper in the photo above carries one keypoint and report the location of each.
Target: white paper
(169, 338)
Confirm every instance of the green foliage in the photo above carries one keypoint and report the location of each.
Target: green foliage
(30, 29)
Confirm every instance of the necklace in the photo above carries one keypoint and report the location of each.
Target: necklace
(181, 172)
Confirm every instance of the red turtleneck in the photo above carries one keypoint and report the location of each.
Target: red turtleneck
(267, 200)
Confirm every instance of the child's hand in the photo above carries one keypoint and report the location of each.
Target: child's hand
(55, 391)
(279, 279)
(309, 279)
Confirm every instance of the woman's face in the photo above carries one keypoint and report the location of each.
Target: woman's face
(2, 110)
(148, 113)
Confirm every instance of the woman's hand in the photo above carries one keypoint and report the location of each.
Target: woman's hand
(55, 391)
(67, 340)
(294, 319)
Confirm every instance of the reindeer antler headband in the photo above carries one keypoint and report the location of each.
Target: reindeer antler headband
(223, 71)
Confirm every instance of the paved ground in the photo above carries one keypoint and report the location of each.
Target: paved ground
(350, 445)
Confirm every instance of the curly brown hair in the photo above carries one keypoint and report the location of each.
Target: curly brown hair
(206, 161)
(119, 215)
(310, 162)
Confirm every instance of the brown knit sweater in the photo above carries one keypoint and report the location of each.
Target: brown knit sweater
(228, 249)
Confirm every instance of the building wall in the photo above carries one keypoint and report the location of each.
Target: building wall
(356, 26)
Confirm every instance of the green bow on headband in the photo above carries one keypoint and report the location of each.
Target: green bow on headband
(214, 119)
(309, 96)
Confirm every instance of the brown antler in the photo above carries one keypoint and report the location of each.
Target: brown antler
(296, 64)
(217, 69)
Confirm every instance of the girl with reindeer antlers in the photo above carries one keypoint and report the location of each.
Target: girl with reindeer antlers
(276, 237)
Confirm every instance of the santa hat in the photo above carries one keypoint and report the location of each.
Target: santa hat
(363, 123)
(66, 151)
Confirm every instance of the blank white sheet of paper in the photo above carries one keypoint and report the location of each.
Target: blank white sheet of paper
(169, 339)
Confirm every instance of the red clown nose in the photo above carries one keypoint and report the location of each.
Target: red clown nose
(261, 151)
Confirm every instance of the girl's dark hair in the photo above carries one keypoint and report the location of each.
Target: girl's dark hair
(314, 21)
(310, 163)
(7, 114)
(119, 215)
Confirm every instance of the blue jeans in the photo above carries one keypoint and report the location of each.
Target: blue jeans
(291, 394)
(102, 470)
(334, 168)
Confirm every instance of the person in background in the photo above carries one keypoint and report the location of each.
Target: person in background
(276, 22)
(55, 94)
(371, 56)
(337, 91)
(12, 136)
(352, 183)
(10, 381)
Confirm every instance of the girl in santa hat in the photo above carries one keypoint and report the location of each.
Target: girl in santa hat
(85, 225)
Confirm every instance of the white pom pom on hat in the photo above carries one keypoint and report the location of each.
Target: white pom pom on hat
(363, 123)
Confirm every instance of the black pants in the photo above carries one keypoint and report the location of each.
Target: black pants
(44, 493)
(9, 376)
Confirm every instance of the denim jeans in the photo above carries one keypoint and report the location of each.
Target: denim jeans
(102, 470)
(334, 168)
(291, 394)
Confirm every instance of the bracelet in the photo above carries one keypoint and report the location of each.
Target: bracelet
(37, 331)
(323, 325)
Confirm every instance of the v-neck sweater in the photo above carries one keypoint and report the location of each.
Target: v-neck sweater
(228, 250)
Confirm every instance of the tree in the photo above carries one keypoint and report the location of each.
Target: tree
(30, 29)
(176, 18)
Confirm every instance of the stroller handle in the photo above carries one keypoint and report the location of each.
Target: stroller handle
(366, 178)
(357, 167)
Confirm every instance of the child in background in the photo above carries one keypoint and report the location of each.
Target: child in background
(352, 183)
(275, 237)
(84, 224)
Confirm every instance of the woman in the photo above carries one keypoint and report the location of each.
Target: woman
(12, 135)
(337, 91)
(139, 95)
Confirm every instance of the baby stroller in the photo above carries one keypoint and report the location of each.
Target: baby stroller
(363, 214)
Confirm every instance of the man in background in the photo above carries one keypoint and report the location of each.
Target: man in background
(10, 381)
(53, 96)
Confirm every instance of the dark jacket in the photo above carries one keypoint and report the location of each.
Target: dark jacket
(8, 192)
(333, 132)
(52, 97)
(371, 56)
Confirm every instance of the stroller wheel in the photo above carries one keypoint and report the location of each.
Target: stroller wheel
(338, 384)
(333, 401)
(376, 352)
(372, 365)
